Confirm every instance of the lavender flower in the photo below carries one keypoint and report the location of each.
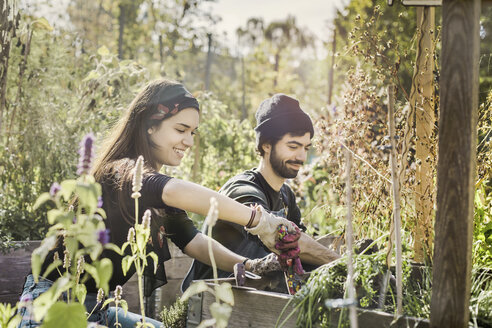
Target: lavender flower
(66, 259)
(118, 292)
(146, 219)
(99, 202)
(54, 189)
(80, 265)
(131, 235)
(86, 154)
(137, 178)
(103, 236)
(100, 295)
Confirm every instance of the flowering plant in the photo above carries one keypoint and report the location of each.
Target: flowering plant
(221, 309)
(137, 239)
(77, 221)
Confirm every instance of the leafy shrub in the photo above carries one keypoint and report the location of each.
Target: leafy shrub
(175, 315)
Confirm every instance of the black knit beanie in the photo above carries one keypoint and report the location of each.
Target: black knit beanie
(280, 115)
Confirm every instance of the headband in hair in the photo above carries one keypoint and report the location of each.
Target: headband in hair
(172, 99)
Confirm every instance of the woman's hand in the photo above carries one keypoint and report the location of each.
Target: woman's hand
(266, 229)
(264, 265)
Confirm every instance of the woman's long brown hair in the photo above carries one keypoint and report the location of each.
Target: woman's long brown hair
(128, 140)
(129, 137)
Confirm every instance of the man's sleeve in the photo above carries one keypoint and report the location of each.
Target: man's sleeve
(247, 194)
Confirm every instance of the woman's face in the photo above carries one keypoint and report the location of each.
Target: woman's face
(174, 136)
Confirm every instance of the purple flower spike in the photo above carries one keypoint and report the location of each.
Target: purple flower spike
(103, 236)
(99, 202)
(54, 189)
(86, 154)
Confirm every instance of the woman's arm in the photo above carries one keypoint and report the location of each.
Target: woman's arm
(194, 198)
(313, 252)
(224, 258)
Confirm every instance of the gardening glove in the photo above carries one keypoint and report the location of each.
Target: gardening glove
(264, 265)
(266, 229)
(287, 240)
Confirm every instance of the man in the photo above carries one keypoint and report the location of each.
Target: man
(283, 138)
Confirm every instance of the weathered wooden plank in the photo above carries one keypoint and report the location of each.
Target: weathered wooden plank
(14, 266)
(456, 164)
(254, 309)
(261, 309)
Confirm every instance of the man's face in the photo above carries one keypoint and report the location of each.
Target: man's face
(289, 154)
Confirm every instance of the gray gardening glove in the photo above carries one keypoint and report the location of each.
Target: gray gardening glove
(264, 265)
(266, 229)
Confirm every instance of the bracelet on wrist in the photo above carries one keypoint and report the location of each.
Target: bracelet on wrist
(251, 219)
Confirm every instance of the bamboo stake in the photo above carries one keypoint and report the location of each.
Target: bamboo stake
(350, 269)
(396, 200)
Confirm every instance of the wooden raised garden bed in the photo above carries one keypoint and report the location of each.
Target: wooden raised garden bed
(261, 309)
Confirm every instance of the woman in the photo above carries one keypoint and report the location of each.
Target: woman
(159, 125)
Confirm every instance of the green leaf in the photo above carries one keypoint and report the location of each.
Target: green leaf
(8, 316)
(103, 51)
(56, 215)
(65, 315)
(124, 306)
(195, 288)
(156, 260)
(126, 263)
(80, 292)
(44, 302)
(43, 198)
(101, 271)
(39, 254)
(52, 267)
(114, 248)
(42, 24)
(67, 189)
(87, 196)
(221, 313)
(142, 237)
(105, 271)
(224, 293)
(108, 301)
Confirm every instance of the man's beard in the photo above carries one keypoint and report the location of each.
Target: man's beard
(280, 167)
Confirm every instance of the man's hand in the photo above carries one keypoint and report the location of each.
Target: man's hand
(266, 229)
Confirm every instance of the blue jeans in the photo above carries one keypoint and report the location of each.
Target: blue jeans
(105, 317)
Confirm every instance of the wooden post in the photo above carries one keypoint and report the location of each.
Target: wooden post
(422, 101)
(456, 163)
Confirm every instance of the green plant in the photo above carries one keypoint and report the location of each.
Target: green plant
(81, 229)
(8, 318)
(138, 237)
(481, 296)
(175, 315)
(224, 300)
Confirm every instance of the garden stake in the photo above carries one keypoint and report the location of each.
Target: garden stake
(350, 268)
(396, 201)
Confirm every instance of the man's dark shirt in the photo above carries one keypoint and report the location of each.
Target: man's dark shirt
(248, 188)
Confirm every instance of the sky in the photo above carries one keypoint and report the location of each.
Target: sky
(313, 15)
(310, 14)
